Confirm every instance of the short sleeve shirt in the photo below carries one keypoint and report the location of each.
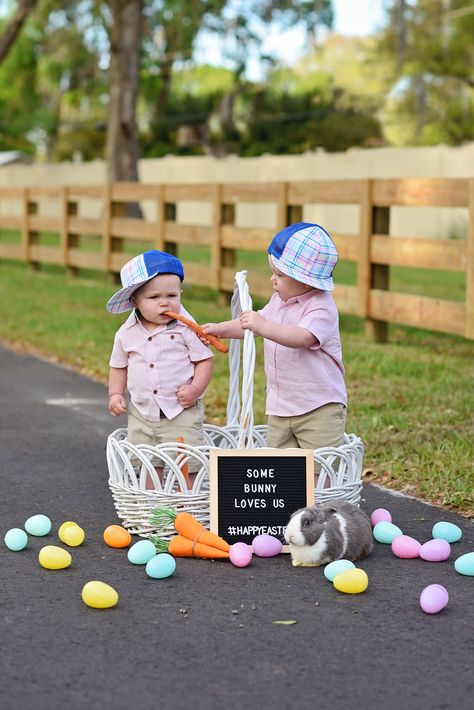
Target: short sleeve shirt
(158, 363)
(302, 379)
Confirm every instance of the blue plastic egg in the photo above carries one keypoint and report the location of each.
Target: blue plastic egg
(446, 531)
(386, 532)
(334, 568)
(141, 552)
(38, 525)
(161, 566)
(465, 564)
(16, 539)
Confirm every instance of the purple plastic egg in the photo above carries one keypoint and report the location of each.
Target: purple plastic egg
(380, 516)
(266, 546)
(406, 547)
(240, 554)
(434, 598)
(435, 550)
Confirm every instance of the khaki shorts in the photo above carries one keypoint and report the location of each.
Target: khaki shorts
(188, 424)
(319, 428)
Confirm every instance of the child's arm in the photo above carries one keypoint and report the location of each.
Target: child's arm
(117, 385)
(189, 394)
(225, 329)
(292, 336)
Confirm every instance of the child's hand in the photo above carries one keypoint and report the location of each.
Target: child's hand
(117, 405)
(212, 329)
(249, 320)
(187, 395)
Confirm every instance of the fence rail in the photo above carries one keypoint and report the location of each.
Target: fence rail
(370, 246)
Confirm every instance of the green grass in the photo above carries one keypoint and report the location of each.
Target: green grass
(410, 400)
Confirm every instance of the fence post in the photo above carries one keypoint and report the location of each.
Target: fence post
(373, 220)
(216, 235)
(68, 239)
(282, 207)
(227, 256)
(29, 237)
(294, 214)
(160, 219)
(169, 216)
(365, 237)
(469, 327)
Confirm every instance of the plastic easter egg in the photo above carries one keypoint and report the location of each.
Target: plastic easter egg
(161, 566)
(381, 515)
(266, 546)
(465, 564)
(406, 547)
(16, 539)
(434, 598)
(141, 552)
(117, 536)
(73, 535)
(352, 581)
(63, 527)
(386, 532)
(52, 557)
(334, 568)
(446, 531)
(240, 554)
(435, 550)
(99, 595)
(38, 525)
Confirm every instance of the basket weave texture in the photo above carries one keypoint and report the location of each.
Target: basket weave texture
(129, 464)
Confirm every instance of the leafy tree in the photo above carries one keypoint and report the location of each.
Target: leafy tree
(431, 97)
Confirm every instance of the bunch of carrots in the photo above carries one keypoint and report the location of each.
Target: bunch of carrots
(192, 540)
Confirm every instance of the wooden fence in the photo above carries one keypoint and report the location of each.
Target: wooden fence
(371, 247)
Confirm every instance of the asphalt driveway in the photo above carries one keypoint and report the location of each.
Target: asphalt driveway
(205, 637)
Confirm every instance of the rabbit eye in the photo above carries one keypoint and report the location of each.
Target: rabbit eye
(306, 523)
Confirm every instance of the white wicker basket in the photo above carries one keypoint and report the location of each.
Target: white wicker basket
(130, 464)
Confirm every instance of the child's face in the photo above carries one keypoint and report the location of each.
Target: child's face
(162, 293)
(284, 285)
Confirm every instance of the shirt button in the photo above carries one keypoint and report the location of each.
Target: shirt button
(171, 337)
(150, 338)
(151, 364)
(155, 391)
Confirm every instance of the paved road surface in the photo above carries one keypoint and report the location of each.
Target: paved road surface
(376, 650)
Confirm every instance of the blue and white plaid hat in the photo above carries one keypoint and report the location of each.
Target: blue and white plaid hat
(305, 252)
(138, 271)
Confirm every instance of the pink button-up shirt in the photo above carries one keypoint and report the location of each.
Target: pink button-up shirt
(158, 363)
(302, 379)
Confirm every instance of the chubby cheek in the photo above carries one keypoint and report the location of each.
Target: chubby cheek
(293, 534)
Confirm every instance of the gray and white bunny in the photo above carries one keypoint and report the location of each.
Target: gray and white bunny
(330, 531)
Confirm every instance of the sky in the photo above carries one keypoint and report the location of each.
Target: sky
(351, 17)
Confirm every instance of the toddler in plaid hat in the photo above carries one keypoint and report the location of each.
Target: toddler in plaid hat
(306, 393)
(163, 364)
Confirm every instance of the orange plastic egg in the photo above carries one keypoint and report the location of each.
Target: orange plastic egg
(117, 536)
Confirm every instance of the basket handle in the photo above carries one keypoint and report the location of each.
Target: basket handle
(241, 301)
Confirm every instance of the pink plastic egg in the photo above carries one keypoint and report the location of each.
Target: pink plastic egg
(380, 516)
(435, 550)
(406, 547)
(240, 554)
(266, 546)
(433, 598)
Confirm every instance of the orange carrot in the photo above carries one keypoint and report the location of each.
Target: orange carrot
(180, 546)
(213, 339)
(187, 526)
(184, 468)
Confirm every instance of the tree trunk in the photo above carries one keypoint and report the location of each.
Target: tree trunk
(125, 42)
(14, 26)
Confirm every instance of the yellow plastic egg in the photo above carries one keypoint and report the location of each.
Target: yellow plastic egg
(99, 595)
(73, 535)
(52, 557)
(63, 527)
(352, 581)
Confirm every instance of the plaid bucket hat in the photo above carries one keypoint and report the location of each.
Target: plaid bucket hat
(138, 271)
(305, 252)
